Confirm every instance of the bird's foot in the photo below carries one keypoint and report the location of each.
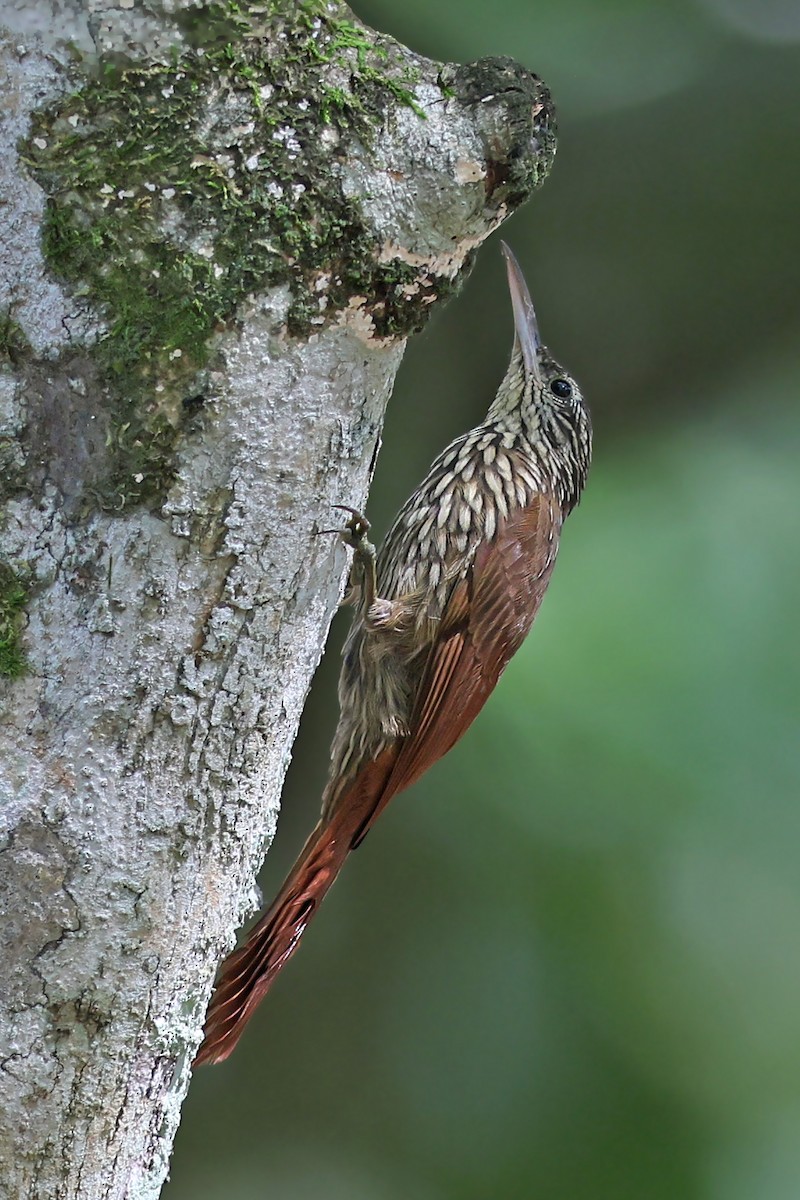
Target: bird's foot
(378, 613)
(362, 586)
(355, 531)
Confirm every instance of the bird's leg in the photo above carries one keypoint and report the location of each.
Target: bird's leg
(362, 574)
(378, 612)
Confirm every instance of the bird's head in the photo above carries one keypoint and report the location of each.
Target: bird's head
(542, 397)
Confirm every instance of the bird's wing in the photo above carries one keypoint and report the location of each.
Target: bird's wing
(484, 623)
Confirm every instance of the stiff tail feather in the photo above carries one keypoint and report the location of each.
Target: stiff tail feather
(249, 972)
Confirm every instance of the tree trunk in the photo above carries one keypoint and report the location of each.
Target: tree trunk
(220, 228)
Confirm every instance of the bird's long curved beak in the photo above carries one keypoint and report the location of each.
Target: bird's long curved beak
(526, 334)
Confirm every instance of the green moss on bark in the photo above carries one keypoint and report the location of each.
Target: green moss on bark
(13, 342)
(14, 351)
(177, 189)
(13, 597)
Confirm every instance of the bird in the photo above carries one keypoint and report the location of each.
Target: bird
(440, 609)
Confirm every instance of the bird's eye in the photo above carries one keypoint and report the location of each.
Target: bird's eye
(561, 388)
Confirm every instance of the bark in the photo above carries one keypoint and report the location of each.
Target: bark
(219, 230)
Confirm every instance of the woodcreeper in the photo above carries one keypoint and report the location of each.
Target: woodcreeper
(440, 610)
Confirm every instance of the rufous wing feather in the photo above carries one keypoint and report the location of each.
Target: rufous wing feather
(487, 617)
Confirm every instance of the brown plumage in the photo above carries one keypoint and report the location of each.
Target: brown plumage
(450, 598)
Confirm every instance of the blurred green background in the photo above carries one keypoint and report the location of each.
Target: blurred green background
(567, 963)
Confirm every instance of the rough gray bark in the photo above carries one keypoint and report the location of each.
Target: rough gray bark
(163, 597)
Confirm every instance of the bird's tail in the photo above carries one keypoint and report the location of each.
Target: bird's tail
(249, 972)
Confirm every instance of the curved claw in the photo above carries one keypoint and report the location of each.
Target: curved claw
(357, 516)
(357, 527)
